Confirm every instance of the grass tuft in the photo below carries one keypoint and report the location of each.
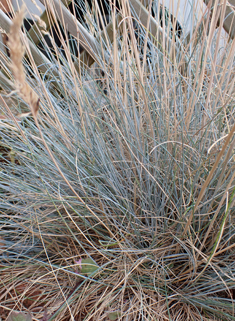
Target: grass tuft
(117, 194)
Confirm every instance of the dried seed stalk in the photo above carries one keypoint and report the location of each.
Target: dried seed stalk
(17, 51)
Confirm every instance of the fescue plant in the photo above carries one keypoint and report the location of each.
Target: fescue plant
(118, 180)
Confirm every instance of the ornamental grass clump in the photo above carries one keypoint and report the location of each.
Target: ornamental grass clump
(117, 180)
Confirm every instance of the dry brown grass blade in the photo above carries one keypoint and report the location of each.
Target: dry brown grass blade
(205, 185)
(2, 245)
(216, 215)
(229, 21)
(17, 54)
